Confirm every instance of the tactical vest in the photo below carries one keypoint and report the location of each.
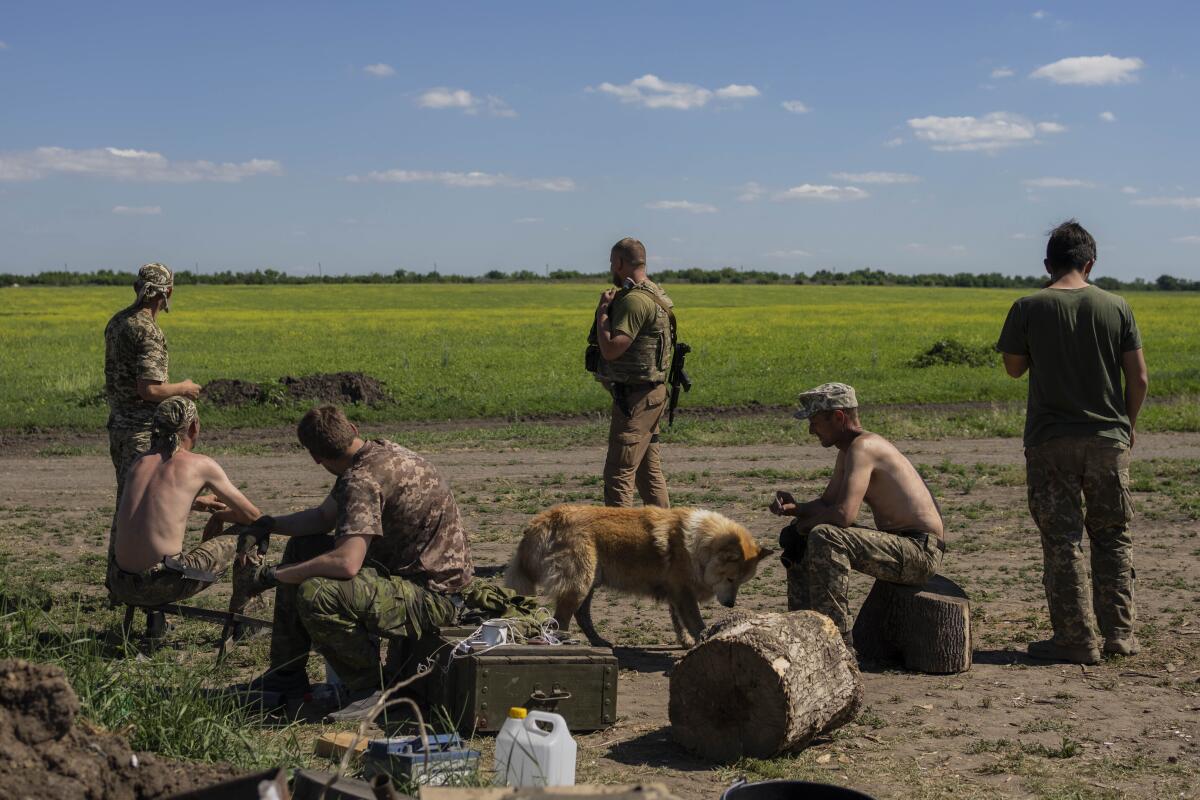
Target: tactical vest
(648, 359)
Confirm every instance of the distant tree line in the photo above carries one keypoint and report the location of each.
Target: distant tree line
(858, 277)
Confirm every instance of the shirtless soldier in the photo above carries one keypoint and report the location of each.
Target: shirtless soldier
(823, 545)
(150, 568)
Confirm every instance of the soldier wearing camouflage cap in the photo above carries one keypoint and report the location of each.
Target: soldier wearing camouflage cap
(135, 372)
(631, 345)
(149, 567)
(823, 544)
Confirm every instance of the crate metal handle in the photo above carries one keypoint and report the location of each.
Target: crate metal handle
(539, 698)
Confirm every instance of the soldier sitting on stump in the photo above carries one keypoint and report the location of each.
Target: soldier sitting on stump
(149, 568)
(822, 545)
(378, 559)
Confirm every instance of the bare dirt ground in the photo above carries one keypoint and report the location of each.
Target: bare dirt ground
(1009, 727)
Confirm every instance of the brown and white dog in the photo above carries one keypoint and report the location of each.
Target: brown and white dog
(681, 555)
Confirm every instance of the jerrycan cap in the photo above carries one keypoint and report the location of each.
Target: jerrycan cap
(517, 712)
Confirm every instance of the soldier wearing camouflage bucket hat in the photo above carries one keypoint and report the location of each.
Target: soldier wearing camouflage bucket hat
(149, 565)
(823, 544)
(1078, 342)
(135, 373)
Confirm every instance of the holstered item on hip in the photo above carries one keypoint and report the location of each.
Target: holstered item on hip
(173, 564)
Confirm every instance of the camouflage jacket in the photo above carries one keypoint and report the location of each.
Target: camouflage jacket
(397, 498)
(134, 348)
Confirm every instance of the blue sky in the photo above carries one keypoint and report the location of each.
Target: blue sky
(787, 136)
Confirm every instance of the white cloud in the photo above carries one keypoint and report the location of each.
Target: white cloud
(1129, 190)
(1177, 202)
(751, 191)
(380, 70)
(795, 107)
(650, 91)
(808, 191)
(1003, 72)
(127, 165)
(464, 180)
(3, 45)
(137, 211)
(990, 132)
(787, 254)
(1057, 183)
(1108, 116)
(527, 220)
(737, 91)
(443, 97)
(1186, 240)
(1039, 14)
(1090, 70)
(1020, 236)
(682, 205)
(875, 177)
(896, 142)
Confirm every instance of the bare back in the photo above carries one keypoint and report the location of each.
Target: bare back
(152, 518)
(894, 490)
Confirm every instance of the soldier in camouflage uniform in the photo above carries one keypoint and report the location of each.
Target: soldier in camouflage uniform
(135, 374)
(149, 567)
(397, 554)
(631, 346)
(823, 545)
(1077, 341)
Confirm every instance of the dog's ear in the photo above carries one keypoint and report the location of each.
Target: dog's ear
(763, 552)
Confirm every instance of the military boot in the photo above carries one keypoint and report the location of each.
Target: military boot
(1125, 646)
(1050, 650)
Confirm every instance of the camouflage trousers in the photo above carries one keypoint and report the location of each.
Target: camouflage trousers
(819, 564)
(634, 459)
(1076, 484)
(161, 584)
(125, 445)
(346, 619)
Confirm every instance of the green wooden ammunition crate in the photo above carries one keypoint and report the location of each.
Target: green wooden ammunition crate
(476, 690)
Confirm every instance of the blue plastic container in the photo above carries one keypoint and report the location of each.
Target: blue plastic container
(446, 762)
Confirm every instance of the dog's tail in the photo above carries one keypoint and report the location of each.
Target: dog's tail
(525, 568)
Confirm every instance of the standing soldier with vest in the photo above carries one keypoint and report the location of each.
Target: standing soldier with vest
(135, 376)
(634, 336)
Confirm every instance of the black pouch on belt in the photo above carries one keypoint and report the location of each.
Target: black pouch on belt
(191, 573)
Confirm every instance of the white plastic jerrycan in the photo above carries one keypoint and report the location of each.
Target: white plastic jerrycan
(529, 754)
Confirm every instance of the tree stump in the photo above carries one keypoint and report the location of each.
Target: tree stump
(763, 685)
(926, 628)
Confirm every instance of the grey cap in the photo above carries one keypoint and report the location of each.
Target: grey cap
(826, 397)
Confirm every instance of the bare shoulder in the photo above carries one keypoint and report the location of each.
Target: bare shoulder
(201, 464)
(870, 445)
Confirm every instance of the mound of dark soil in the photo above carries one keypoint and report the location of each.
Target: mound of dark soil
(337, 387)
(226, 392)
(953, 352)
(45, 754)
(341, 388)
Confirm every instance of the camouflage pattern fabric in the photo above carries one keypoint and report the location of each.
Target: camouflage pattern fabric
(159, 585)
(172, 418)
(155, 279)
(134, 348)
(1078, 483)
(342, 616)
(290, 642)
(831, 552)
(397, 498)
(826, 397)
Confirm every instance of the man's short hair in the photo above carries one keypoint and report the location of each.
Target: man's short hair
(325, 432)
(631, 251)
(1070, 246)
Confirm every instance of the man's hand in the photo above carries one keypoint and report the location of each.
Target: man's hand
(208, 503)
(784, 505)
(250, 582)
(189, 389)
(606, 299)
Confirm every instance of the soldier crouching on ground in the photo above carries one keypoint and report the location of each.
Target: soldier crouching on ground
(822, 546)
(149, 566)
(396, 554)
(1077, 341)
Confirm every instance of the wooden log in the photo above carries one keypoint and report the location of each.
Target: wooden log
(925, 628)
(763, 685)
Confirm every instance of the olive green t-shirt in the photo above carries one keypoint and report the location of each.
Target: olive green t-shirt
(1075, 340)
(631, 312)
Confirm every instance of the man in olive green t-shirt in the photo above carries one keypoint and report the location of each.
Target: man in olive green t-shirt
(633, 331)
(1076, 340)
